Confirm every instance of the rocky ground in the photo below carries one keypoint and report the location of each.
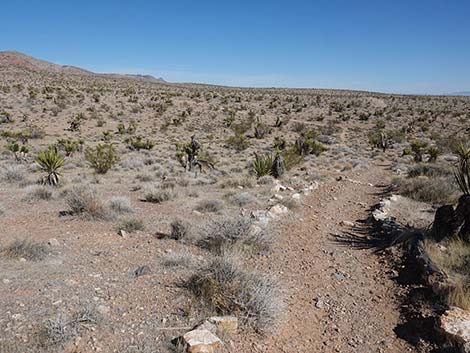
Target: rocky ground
(131, 270)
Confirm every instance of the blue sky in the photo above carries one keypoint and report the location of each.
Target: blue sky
(400, 46)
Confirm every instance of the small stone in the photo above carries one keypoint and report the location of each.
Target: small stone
(103, 309)
(296, 196)
(122, 233)
(320, 303)
(6, 281)
(53, 242)
(347, 223)
(142, 270)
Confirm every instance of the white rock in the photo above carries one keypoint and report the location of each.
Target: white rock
(296, 196)
(201, 341)
(455, 323)
(277, 210)
(347, 223)
(122, 233)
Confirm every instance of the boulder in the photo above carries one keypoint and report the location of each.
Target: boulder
(455, 323)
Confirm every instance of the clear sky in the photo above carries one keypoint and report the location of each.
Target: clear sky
(412, 46)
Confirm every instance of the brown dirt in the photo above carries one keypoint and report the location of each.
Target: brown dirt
(361, 302)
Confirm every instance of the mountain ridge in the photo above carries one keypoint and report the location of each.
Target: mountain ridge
(12, 58)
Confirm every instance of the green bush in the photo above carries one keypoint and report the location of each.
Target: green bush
(102, 158)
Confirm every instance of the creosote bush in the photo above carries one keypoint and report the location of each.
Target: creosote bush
(102, 158)
(227, 288)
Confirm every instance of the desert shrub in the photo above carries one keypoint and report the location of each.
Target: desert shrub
(210, 206)
(13, 173)
(317, 148)
(37, 192)
(242, 199)
(28, 250)
(121, 204)
(179, 229)
(178, 259)
(69, 146)
(228, 232)
(156, 195)
(238, 142)
(266, 180)
(132, 225)
(227, 288)
(138, 143)
(425, 189)
(429, 170)
(133, 163)
(291, 158)
(102, 158)
(84, 200)
(453, 259)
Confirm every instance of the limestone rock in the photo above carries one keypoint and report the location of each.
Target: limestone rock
(201, 341)
(277, 210)
(455, 323)
(227, 324)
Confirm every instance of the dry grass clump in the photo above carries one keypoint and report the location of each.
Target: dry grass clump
(84, 200)
(180, 229)
(426, 189)
(178, 259)
(13, 173)
(57, 331)
(233, 232)
(242, 199)
(26, 249)
(37, 193)
(210, 206)
(156, 195)
(227, 288)
(131, 225)
(121, 204)
(453, 258)
(430, 170)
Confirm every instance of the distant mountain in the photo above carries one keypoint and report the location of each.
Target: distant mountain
(465, 93)
(17, 60)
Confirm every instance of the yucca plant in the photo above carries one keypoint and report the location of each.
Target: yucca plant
(462, 171)
(263, 165)
(433, 152)
(417, 148)
(50, 161)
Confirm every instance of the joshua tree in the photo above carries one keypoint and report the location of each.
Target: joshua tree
(449, 221)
